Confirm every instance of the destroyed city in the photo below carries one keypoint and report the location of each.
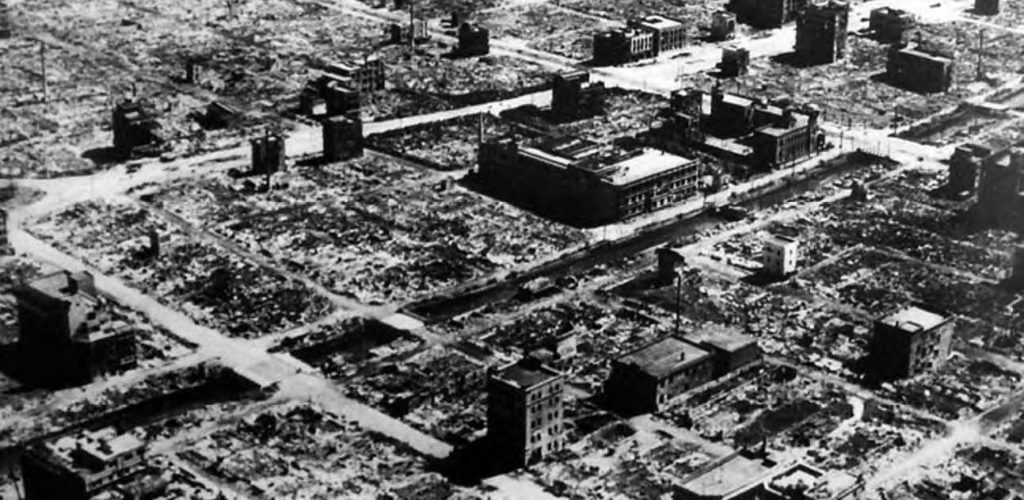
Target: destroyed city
(512, 249)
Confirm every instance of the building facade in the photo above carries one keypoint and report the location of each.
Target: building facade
(574, 98)
(342, 138)
(723, 25)
(668, 34)
(1001, 190)
(965, 168)
(919, 71)
(781, 256)
(644, 380)
(821, 31)
(910, 341)
(80, 467)
(621, 46)
(766, 13)
(365, 76)
(267, 154)
(135, 128)
(735, 62)
(525, 413)
(582, 182)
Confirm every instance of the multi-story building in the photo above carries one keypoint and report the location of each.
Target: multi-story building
(766, 13)
(986, 7)
(643, 380)
(340, 100)
(1001, 190)
(268, 154)
(400, 32)
(583, 182)
(67, 334)
(965, 167)
(919, 71)
(572, 99)
(342, 138)
(735, 61)
(730, 350)
(135, 128)
(473, 40)
(723, 25)
(780, 256)
(821, 32)
(623, 45)
(910, 341)
(741, 130)
(81, 467)
(669, 34)
(890, 25)
(525, 414)
(365, 76)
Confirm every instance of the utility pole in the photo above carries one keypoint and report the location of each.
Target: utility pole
(42, 62)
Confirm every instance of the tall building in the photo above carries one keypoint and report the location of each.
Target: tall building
(573, 99)
(965, 167)
(644, 380)
(669, 34)
(268, 154)
(1001, 190)
(910, 341)
(525, 414)
(342, 138)
(723, 25)
(821, 32)
(766, 13)
(366, 75)
(919, 71)
(583, 182)
(890, 25)
(135, 128)
(81, 467)
(474, 40)
(67, 334)
(781, 256)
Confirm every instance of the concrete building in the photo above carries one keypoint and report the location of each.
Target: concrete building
(67, 335)
(135, 128)
(623, 45)
(81, 467)
(910, 341)
(781, 256)
(735, 62)
(583, 182)
(669, 34)
(746, 476)
(766, 13)
(268, 154)
(365, 76)
(986, 7)
(1001, 190)
(573, 99)
(730, 349)
(965, 167)
(644, 380)
(804, 482)
(821, 31)
(398, 33)
(723, 25)
(340, 100)
(473, 40)
(919, 71)
(890, 25)
(342, 138)
(525, 415)
(744, 132)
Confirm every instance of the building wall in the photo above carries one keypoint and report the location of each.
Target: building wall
(765, 13)
(526, 425)
(821, 33)
(899, 354)
(913, 72)
(631, 390)
(780, 260)
(1001, 192)
(44, 480)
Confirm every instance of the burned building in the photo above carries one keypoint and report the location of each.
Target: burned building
(82, 467)
(965, 167)
(821, 32)
(340, 100)
(583, 182)
(890, 25)
(643, 380)
(909, 341)
(67, 333)
(986, 7)
(730, 350)
(473, 40)
(1001, 190)
(766, 13)
(525, 414)
(5, 243)
(668, 34)
(135, 128)
(340, 87)
(342, 138)
(723, 25)
(365, 76)
(623, 45)
(739, 130)
(919, 71)
(399, 33)
(735, 62)
(780, 256)
(268, 154)
(573, 99)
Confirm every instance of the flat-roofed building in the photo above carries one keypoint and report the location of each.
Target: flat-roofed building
(781, 256)
(821, 32)
(730, 349)
(766, 13)
(965, 168)
(919, 71)
(669, 34)
(366, 75)
(80, 467)
(1001, 190)
(623, 45)
(723, 25)
(890, 25)
(525, 413)
(909, 341)
(583, 182)
(643, 380)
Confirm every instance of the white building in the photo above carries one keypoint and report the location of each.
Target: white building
(781, 255)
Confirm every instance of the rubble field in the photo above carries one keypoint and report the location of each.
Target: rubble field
(213, 286)
(692, 13)
(389, 243)
(302, 451)
(969, 471)
(445, 145)
(546, 27)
